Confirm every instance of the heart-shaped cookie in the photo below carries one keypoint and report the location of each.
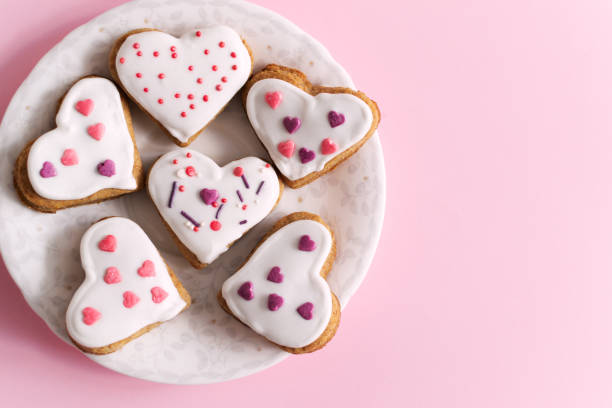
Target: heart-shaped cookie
(307, 130)
(281, 292)
(69, 165)
(207, 207)
(116, 303)
(182, 83)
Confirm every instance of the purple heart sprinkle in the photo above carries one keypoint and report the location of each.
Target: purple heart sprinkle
(48, 170)
(306, 155)
(246, 291)
(209, 196)
(307, 244)
(275, 275)
(335, 118)
(107, 168)
(292, 124)
(275, 302)
(305, 310)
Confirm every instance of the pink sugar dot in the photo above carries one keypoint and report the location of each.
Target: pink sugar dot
(161, 76)
(188, 155)
(199, 80)
(121, 60)
(234, 67)
(218, 87)
(138, 75)
(160, 101)
(175, 161)
(214, 67)
(146, 89)
(190, 96)
(136, 46)
(190, 67)
(183, 114)
(192, 106)
(174, 55)
(224, 79)
(233, 54)
(156, 53)
(198, 33)
(181, 188)
(205, 98)
(221, 44)
(177, 95)
(215, 225)
(206, 52)
(139, 53)
(173, 48)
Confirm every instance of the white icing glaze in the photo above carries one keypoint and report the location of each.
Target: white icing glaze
(205, 243)
(189, 51)
(81, 180)
(312, 111)
(302, 283)
(118, 322)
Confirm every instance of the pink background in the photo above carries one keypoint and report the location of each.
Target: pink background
(492, 283)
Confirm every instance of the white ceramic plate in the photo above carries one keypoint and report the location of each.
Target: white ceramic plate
(41, 251)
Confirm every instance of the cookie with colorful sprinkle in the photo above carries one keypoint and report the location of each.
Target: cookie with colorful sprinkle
(91, 155)
(128, 288)
(206, 207)
(307, 129)
(181, 83)
(281, 291)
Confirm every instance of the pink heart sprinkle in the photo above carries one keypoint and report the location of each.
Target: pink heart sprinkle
(328, 146)
(90, 315)
(147, 269)
(96, 131)
(292, 124)
(275, 302)
(305, 310)
(335, 118)
(48, 170)
(158, 294)
(112, 275)
(274, 99)
(306, 244)
(246, 291)
(130, 299)
(275, 275)
(286, 148)
(69, 157)
(108, 243)
(84, 107)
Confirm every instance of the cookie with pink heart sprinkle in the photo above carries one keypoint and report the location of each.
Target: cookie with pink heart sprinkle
(323, 125)
(90, 156)
(119, 301)
(281, 290)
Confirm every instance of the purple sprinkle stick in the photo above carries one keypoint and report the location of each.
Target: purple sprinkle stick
(48, 170)
(275, 302)
(306, 155)
(305, 310)
(209, 196)
(306, 244)
(335, 118)
(172, 194)
(260, 186)
(244, 180)
(246, 291)
(191, 220)
(218, 211)
(239, 196)
(275, 275)
(242, 222)
(107, 168)
(292, 124)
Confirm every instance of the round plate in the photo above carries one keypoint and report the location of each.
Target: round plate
(41, 251)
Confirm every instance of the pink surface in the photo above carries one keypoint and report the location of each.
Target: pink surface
(492, 283)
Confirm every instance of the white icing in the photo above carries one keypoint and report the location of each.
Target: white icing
(81, 180)
(312, 111)
(117, 321)
(302, 283)
(205, 243)
(179, 79)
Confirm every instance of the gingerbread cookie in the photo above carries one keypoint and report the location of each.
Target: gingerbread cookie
(89, 157)
(281, 293)
(128, 288)
(182, 83)
(308, 130)
(207, 207)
